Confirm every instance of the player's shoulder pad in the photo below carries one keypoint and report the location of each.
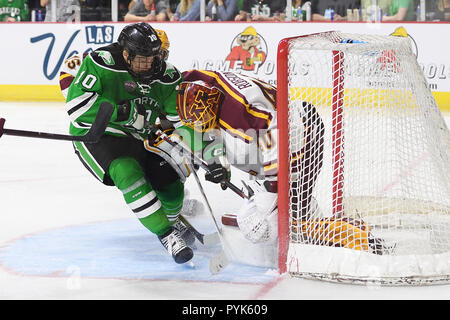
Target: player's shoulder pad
(108, 57)
(207, 76)
(191, 75)
(169, 74)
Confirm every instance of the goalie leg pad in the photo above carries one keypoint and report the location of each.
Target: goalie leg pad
(174, 156)
(343, 232)
(257, 218)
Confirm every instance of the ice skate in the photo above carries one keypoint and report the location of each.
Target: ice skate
(175, 245)
(185, 233)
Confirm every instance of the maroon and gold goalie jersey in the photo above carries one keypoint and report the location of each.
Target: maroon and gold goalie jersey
(247, 120)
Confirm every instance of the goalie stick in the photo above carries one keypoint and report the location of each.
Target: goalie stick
(219, 261)
(94, 134)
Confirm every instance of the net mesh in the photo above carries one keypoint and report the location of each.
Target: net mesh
(369, 149)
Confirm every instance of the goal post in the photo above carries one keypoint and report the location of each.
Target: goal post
(364, 192)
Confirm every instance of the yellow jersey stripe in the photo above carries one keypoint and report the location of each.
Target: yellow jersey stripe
(238, 98)
(235, 131)
(275, 165)
(65, 75)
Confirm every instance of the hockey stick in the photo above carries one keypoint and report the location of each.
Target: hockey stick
(205, 239)
(94, 134)
(219, 261)
(197, 159)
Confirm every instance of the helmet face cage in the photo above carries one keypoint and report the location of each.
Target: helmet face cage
(149, 71)
(198, 105)
(140, 39)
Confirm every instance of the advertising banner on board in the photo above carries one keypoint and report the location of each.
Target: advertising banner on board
(34, 52)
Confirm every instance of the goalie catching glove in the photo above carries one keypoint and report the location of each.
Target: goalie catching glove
(175, 156)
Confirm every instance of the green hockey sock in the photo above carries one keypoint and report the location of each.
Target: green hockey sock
(139, 194)
(171, 197)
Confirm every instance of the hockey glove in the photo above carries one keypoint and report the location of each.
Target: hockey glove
(175, 156)
(216, 173)
(130, 114)
(218, 167)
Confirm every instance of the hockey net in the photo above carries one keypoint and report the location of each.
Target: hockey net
(364, 192)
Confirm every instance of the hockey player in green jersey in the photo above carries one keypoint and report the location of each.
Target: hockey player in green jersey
(141, 86)
(14, 10)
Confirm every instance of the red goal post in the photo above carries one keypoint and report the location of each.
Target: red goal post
(283, 125)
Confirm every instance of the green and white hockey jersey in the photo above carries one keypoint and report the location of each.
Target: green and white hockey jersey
(17, 9)
(103, 76)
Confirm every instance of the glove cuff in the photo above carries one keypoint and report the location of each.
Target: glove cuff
(212, 152)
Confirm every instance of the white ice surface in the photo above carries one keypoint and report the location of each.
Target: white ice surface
(47, 201)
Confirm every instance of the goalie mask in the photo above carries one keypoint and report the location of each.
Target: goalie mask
(198, 105)
(142, 46)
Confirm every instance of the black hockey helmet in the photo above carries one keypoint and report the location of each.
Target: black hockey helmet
(141, 39)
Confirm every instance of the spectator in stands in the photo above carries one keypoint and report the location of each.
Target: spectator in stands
(187, 10)
(295, 5)
(385, 5)
(298, 3)
(132, 3)
(14, 10)
(339, 6)
(149, 10)
(277, 7)
(225, 10)
(401, 10)
(124, 7)
(442, 11)
(90, 10)
(65, 10)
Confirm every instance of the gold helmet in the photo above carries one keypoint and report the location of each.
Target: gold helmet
(165, 43)
(198, 104)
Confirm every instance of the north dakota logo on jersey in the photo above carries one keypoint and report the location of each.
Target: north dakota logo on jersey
(144, 88)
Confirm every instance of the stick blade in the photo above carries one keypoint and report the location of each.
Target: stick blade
(218, 262)
(205, 239)
(101, 121)
(211, 239)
